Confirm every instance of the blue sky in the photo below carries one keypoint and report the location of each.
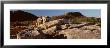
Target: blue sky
(86, 12)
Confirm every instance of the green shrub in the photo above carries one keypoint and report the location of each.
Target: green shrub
(88, 19)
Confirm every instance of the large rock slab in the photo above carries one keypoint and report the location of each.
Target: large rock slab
(50, 31)
(51, 23)
(90, 27)
(76, 33)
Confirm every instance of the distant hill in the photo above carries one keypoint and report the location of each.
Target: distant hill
(69, 15)
(76, 14)
(20, 15)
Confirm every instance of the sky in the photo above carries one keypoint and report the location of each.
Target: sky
(53, 12)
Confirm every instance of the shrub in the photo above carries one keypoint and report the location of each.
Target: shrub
(99, 24)
(77, 20)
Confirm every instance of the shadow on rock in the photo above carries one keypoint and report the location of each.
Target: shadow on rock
(61, 36)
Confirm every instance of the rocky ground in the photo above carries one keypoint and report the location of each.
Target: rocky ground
(70, 25)
(58, 29)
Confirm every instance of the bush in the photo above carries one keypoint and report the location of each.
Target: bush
(99, 24)
(87, 19)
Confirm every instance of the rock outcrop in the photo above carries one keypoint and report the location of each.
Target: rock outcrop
(51, 23)
(50, 31)
(56, 28)
(60, 28)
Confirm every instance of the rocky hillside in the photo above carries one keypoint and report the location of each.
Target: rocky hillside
(71, 25)
(20, 15)
(69, 15)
